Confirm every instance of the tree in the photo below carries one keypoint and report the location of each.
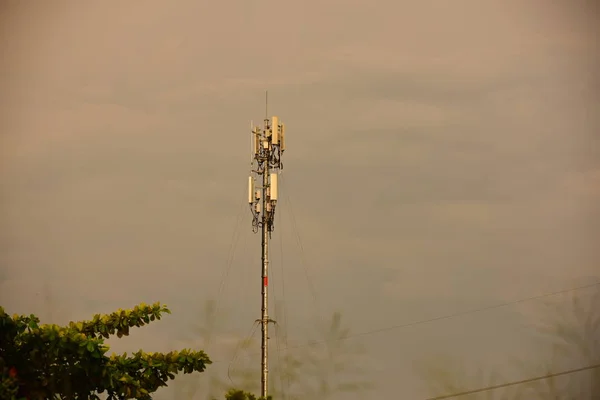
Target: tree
(203, 334)
(572, 330)
(298, 370)
(234, 394)
(68, 362)
(331, 364)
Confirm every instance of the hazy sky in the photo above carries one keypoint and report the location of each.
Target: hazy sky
(442, 156)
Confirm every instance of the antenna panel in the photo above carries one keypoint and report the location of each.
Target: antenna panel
(282, 139)
(274, 189)
(275, 129)
(255, 140)
(250, 189)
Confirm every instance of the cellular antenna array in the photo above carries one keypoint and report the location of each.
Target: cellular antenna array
(268, 145)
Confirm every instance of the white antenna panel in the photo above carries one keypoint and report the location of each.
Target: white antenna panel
(282, 139)
(252, 152)
(257, 195)
(255, 141)
(257, 208)
(274, 190)
(275, 129)
(265, 144)
(250, 189)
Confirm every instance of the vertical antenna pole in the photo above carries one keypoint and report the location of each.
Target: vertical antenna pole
(265, 268)
(265, 292)
(266, 161)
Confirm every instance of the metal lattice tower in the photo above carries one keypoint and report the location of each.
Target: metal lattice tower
(268, 145)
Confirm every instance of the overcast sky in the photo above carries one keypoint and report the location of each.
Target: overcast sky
(442, 156)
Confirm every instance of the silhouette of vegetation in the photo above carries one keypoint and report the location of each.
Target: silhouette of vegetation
(569, 332)
(203, 335)
(234, 394)
(328, 365)
(573, 330)
(43, 361)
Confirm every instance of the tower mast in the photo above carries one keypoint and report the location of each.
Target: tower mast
(268, 145)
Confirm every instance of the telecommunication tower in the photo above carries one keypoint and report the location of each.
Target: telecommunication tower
(268, 145)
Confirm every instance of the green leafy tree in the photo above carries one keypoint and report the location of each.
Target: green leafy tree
(68, 362)
(234, 394)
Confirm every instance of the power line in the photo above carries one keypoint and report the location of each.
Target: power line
(235, 237)
(450, 316)
(460, 314)
(539, 378)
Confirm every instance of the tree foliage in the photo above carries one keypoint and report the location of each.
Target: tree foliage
(234, 394)
(44, 361)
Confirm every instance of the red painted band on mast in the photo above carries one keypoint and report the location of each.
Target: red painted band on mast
(265, 281)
